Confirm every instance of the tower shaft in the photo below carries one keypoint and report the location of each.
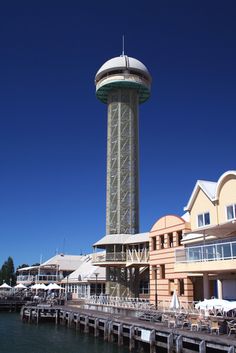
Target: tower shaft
(122, 203)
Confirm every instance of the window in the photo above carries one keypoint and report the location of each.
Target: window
(179, 238)
(161, 241)
(171, 286)
(170, 240)
(181, 286)
(154, 243)
(231, 211)
(162, 272)
(203, 219)
(144, 287)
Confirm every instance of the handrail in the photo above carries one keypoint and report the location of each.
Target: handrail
(208, 252)
(131, 256)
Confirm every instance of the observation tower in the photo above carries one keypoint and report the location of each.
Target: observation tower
(122, 83)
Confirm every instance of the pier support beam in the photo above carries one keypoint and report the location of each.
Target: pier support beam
(110, 331)
(202, 347)
(30, 315)
(120, 335)
(38, 315)
(70, 319)
(77, 323)
(57, 316)
(170, 343)
(231, 349)
(106, 326)
(153, 341)
(131, 338)
(96, 327)
(179, 344)
(86, 324)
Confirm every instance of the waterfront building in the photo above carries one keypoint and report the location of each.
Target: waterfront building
(52, 270)
(122, 83)
(165, 237)
(209, 254)
(86, 281)
(129, 252)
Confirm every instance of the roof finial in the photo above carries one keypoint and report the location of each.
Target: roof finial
(123, 45)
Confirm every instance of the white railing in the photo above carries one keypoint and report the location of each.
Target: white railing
(123, 76)
(130, 256)
(121, 302)
(38, 278)
(109, 257)
(210, 252)
(25, 278)
(47, 278)
(137, 256)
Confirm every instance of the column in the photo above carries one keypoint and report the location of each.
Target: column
(206, 291)
(220, 289)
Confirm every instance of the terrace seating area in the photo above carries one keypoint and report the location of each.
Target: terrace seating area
(214, 325)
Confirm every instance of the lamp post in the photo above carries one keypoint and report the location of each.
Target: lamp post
(96, 284)
(156, 288)
(67, 288)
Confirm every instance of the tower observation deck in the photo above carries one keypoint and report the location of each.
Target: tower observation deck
(122, 83)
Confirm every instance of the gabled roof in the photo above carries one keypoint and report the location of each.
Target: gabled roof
(208, 187)
(87, 272)
(222, 179)
(137, 238)
(22, 269)
(122, 239)
(65, 262)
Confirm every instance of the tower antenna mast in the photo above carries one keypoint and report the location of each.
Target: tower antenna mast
(123, 45)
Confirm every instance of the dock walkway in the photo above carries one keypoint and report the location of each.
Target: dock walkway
(136, 333)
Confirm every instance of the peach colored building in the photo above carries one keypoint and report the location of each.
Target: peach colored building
(209, 254)
(165, 237)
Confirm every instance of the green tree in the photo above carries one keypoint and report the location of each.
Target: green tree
(36, 264)
(22, 266)
(7, 272)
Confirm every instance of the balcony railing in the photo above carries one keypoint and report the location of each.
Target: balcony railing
(211, 252)
(130, 256)
(137, 256)
(38, 278)
(47, 278)
(109, 257)
(25, 278)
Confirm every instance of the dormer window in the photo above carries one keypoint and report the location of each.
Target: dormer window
(231, 211)
(203, 219)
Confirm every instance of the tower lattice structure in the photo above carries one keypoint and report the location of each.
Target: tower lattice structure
(122, 83)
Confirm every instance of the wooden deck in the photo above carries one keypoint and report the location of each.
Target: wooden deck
(11, 305)
(131, 331)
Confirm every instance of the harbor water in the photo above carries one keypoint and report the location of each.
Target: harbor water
(19, 337)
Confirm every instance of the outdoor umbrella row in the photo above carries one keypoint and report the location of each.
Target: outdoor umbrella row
(35, 286)
(217, 304)
(44, 287)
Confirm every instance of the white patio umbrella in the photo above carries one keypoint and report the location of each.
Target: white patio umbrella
(54, 286)
(230, 306)
(42, 286)
(35, 286)
(20, 286)
(212, 303)
(5, 286)
(174, 304)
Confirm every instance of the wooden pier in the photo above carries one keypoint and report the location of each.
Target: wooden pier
(138, 335)
(11, 305)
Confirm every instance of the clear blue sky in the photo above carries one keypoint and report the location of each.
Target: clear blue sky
(53, 129)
